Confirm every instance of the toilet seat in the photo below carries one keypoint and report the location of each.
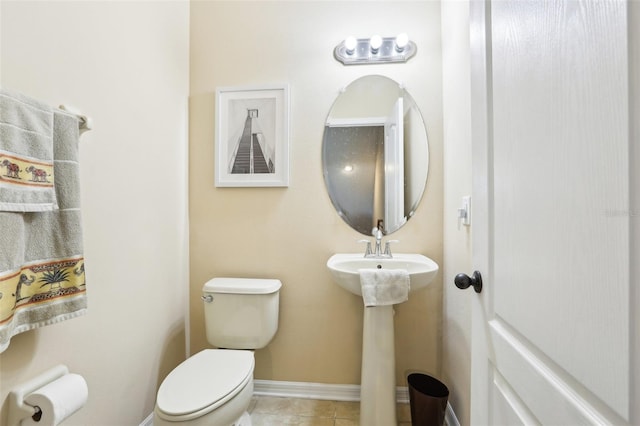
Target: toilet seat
(203, 383)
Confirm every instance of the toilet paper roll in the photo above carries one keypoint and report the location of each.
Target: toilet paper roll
(58, 400)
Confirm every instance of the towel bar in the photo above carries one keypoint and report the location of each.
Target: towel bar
(86, 123)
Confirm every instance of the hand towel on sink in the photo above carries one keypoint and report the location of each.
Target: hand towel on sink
(26, 154)
(382, 287)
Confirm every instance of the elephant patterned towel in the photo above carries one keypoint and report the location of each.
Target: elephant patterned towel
(26, 154)
(41, 256)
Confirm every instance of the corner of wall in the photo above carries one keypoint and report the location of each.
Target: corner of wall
(456, 337)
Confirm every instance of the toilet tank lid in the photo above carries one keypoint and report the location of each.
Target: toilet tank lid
(242, 285)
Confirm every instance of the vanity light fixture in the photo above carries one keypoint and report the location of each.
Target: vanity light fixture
(375, 50)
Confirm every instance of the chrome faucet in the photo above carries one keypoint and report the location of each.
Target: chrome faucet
(377, 252)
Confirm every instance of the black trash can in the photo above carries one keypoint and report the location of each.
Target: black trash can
(428, 399)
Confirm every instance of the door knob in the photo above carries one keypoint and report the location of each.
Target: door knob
(463, 281)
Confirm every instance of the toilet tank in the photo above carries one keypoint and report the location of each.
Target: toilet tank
(241, 313)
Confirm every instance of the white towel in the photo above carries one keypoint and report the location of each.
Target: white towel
(26, 154)
(382, 287)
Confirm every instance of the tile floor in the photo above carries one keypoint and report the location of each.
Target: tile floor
(273, 411)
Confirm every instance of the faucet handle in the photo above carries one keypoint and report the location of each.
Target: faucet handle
(367, 250)
(387, 246)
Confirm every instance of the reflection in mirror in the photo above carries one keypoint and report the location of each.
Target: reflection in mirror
(375, 155)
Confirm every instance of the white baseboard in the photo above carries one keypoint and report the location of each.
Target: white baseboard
(450, 416)
(148, 421)
(316, 390)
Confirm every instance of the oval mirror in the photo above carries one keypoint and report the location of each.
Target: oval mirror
(375, 155)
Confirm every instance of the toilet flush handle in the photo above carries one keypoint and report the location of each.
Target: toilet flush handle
(208, 298)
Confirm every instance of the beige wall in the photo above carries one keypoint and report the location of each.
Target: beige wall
(126, 65)
(289, 233)
(124, 354)
(456, 337)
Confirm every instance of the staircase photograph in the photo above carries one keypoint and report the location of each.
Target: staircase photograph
(252, 136)
(250, 157)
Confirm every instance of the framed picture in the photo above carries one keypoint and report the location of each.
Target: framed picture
(252, 136)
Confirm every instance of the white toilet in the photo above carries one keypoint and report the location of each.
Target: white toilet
(214, 386)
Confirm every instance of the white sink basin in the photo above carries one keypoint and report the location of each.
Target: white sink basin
(344, 269)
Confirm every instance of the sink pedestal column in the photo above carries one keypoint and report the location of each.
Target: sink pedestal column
(378, 382)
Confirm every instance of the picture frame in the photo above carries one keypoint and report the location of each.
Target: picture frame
(252, 136)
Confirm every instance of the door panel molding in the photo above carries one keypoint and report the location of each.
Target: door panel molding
(634, 205)
(507, 402)
(531, 374)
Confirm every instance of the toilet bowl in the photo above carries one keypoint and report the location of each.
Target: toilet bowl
(213, 387)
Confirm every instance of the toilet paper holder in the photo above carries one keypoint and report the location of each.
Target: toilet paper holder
(18, 409)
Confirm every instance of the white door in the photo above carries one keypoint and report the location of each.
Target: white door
(394, 168)
(554, 157)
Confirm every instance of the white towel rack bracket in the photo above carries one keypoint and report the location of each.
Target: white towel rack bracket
(86, 123)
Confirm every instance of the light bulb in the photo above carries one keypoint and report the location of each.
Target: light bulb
(350, 44)
(401, 41)
(375, 43)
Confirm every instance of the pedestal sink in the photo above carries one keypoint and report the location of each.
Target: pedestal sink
(378, 381)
